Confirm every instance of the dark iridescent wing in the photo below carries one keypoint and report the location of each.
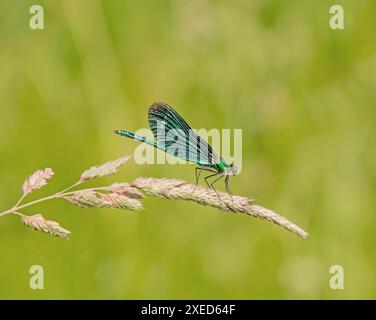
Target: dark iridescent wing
(176, 137)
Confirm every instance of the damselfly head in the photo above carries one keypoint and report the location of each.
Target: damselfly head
(231, 170)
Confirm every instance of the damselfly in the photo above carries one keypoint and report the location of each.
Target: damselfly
(175, 137)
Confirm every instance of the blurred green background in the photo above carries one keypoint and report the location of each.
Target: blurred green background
(303, 94)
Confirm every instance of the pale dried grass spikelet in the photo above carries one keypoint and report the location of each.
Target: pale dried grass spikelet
(38, 223)
(84, 199)
(106, 169)
(179, 189)
(37, 180)
(94, 199)
(125, 189)
(118, 201)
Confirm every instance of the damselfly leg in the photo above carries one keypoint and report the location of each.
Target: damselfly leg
(198, 173)
(228, 187)
(209, 176)
(212, 186)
